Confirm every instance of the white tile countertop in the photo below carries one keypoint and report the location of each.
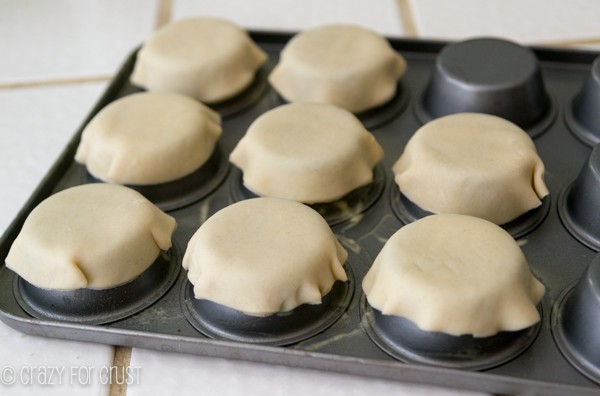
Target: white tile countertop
(57, 58)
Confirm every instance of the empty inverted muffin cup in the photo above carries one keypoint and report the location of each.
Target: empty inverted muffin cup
(576, 322)
(403, 340)
(579, 203)
(492, 76)
(583, 116)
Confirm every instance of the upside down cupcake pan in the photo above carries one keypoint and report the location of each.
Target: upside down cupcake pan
(554, 95)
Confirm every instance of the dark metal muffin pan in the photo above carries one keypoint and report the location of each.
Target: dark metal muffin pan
(562, 357)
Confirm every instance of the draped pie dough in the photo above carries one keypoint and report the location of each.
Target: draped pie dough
(455, 274)
(93, 236)
(348, 66)
(307, 152)
(474, 164)
(208, 59)
(149, 138)
(264, 255)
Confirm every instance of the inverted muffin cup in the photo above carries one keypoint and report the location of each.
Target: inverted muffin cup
(236, 104)
(579, 203)
(336, 212)
(583, 116)
(100, 306)
(221, 322)
(492, 76)
(182, 192)
(246, 98)
(382, 114)
(403, 340)
(407, 212)
(375, 117)
(576, 322)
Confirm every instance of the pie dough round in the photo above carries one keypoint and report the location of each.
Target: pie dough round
(307, 152)
(348, 66)
(207, 59)
(264, 255)
(149, 138)
(474, 164)
(455, 274)
(94, 236)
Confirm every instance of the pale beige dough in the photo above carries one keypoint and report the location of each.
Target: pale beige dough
(455, 274)
(149, 138)
(208, 59)
(345, 65)
(308, 152)
(93, 236)
(474, 164)
(264, 255)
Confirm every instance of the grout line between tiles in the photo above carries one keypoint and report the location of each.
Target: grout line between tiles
(163, 16)
(121, 361)
(407, 18)
(164, 13)
(52, 82)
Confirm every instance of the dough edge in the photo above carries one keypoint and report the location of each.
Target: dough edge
(118, 159)
(154, 73)
(250, 296)
(297, 82)
(60, 267)
(318, 180)
(438, 309)
(501, 198)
